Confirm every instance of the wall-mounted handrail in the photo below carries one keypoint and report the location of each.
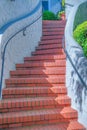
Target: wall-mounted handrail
(4, 27)
(4, 50)
(69, 4)
(68, 56)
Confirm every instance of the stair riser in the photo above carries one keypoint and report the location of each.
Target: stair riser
(49, 33)
(36, 81)
(28, 67)
(54, 26)
(40, 65)
(49, 22)
(33, 92)
(37, 67)
(27, 95)
(50, 42)
(45, 58)
(48, 52)
(35, 76)
(33, 105)
(15, 125)
(52, 29)
(37, 73)
(38, 119)
(31, 108)
(51, 37)
(42, 59)
(43, 47)
(33, 85)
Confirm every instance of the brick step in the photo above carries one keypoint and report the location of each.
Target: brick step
(51, 46)
(52, 37)
(35, 85)
(45, 58)
(52, 29)
(47, 22)
(33, 103)
(38, 72)
(41, 65)
(27, 81)
(22, 92)
(45, 116)
(48, 51)
(58, 126)
(49, 33)
(49, 42)
(53, 26)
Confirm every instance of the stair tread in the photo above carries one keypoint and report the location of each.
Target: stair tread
(31, 99)
(39, 71)
(58, 126)
(59, 56)
(33, 90)
(61, 111)
(48, 80)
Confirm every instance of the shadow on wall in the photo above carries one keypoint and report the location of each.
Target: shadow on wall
(76, 90)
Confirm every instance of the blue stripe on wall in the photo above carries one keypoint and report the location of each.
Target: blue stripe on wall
(4, 27)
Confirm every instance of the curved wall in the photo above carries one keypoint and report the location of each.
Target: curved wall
(76, 90)
(70, 4)
(9, 10)
(20, 45)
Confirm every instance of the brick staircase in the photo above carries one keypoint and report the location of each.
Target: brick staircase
(35, 97)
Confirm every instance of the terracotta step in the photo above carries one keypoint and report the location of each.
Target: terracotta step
(22, 92)
(22, 104)
(58, 126)
(37, 72)
(49, 51)
(58, 26)
(41, 65)
(50, 33)
(24, 118)
(51, 46)
(52, 29)
(39, 81)
(53, 26)
(49, 42)
(47, 22)
(45, 58)
(52, 37)
(33, 103)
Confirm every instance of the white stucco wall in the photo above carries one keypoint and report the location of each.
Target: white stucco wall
(10, 10)
(76, 90)
(20, 46)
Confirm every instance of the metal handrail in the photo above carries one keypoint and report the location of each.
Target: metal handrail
(68, 56)
(4, 51)
(69, 4)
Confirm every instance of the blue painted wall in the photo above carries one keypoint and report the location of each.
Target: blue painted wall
(52, 5)
(45, 5)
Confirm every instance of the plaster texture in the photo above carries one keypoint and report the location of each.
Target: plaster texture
(76, 90)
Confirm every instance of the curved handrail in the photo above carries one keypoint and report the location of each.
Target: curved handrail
(68, 56)
(3, 55)
(69, 4)
(4, 27)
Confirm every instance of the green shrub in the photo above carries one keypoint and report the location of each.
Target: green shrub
(63, 4)
(80, 35)
(47, 15)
